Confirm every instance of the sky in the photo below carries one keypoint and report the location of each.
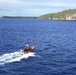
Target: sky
(34, 7)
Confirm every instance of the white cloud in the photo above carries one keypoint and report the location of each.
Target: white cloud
(34, 7)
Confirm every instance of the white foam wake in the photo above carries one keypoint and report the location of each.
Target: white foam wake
(13, 57)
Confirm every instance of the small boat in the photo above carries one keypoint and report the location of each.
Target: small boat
(27, 50)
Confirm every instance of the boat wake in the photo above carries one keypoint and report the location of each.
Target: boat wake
(13, 57)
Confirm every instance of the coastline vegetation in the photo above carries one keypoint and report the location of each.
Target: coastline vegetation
(21, 17)
(64, 15)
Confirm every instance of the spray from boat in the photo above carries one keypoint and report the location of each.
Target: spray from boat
(15, 56)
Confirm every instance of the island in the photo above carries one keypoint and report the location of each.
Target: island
(18, 17)
(64, 15)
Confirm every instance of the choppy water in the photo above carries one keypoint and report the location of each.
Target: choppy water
(55, 42)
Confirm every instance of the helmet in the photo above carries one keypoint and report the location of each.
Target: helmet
(26, 45)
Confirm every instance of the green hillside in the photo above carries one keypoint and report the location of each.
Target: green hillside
(64, 15)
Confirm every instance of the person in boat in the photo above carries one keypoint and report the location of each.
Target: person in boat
(28, 48)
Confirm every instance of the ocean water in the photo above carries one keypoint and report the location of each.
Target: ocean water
(55, 42)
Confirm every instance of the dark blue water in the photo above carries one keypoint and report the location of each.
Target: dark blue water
(55, 43)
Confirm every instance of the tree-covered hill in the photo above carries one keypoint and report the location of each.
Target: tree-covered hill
(64, 15)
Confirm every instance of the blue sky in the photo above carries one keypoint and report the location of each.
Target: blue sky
(34, 7)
